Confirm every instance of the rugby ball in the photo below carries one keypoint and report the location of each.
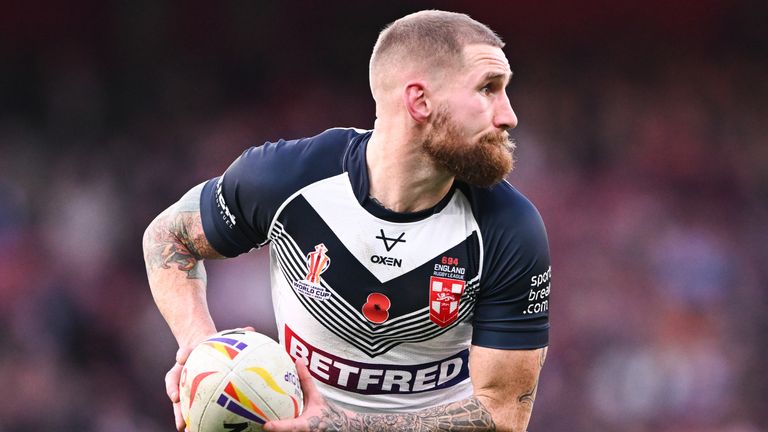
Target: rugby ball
(237, 380)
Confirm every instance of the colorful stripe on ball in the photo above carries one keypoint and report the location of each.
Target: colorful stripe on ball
(267, 377)
(227, 346)
(235, 401)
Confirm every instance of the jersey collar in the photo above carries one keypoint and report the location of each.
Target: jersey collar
(355, 165)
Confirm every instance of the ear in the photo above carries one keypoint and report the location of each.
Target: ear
(416, 100)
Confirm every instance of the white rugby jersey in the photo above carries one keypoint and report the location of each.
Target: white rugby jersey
(383, 305)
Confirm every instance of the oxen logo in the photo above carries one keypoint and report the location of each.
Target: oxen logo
(444, 296)
(390, 242)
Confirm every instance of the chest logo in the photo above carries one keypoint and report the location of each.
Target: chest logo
(390, 242)
(376, 308)
(317, 263)
(444, 296)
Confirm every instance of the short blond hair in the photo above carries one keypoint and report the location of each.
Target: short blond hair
(432, 38)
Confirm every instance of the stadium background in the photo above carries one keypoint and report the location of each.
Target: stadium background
(642, 140)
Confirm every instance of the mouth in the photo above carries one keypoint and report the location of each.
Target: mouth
(497, 139)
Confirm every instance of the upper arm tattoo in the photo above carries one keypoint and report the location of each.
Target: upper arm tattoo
(176, 238)
(464, 415)
(529, 396)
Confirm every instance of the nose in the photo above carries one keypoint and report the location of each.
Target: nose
(505, 117)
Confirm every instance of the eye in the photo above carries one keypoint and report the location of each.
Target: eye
(486, 89)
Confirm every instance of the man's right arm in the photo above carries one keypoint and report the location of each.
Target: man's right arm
(174, 249)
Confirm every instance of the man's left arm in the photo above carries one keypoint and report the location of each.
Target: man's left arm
(504, 381)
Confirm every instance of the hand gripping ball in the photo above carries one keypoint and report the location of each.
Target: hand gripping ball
(237, 380)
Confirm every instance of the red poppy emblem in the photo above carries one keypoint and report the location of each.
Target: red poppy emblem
(376, 308)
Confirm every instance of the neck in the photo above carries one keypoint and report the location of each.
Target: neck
(402, 178)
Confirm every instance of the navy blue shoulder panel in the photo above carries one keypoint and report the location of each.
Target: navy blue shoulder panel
(238, 207)
(513, 303)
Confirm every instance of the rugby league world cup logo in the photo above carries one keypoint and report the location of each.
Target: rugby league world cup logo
(317, 263)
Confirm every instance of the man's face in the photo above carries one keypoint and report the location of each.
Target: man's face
(482, 161)
(467, 132)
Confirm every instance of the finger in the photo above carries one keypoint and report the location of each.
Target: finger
(182, 354)
(180, 424)
(312, 397)
(172, 382)
(249, 328)
(308, 387)
(286, 425)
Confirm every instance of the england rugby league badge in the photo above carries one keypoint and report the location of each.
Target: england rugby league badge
(445, 289)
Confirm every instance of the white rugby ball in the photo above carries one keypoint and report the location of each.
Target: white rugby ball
(237, 380)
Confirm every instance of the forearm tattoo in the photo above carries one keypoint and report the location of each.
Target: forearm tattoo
(176, 240)
(464, 415)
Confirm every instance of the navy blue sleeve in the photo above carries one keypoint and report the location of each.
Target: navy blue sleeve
(238, 207)
(512, 310)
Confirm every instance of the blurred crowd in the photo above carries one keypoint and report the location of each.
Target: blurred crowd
(643, 146)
